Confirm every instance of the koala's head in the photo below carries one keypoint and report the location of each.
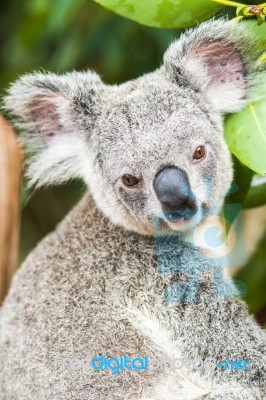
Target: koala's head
(151, 146)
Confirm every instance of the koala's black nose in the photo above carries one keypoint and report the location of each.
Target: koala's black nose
(172, 188)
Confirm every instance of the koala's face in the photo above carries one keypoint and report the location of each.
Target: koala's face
(151, 149)
(164, 158)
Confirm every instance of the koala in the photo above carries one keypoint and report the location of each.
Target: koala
(116, 278)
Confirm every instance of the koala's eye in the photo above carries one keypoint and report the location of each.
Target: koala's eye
(130, 180)
(199, 153)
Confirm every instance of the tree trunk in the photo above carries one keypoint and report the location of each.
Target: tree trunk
(11, 160)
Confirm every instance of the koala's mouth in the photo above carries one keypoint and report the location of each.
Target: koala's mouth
(182, 220)
(182, 214)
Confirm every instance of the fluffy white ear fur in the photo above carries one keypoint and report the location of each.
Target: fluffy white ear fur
(49, 110)
(223, 73)
(216, 59)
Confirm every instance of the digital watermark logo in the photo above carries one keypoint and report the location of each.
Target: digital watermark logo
(237, 365)
(116, 365)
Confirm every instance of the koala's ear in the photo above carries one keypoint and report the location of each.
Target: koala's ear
(215, 58)
(55, 115)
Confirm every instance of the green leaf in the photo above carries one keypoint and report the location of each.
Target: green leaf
(241, 184)
(245, 133)
(256, 196)
(238, 192)
(260, 19)
(163, 13)
(258, 31)
(242, 11)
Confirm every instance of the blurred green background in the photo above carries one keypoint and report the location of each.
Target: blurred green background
(62, 35)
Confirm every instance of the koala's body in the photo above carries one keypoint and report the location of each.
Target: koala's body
(104, 283)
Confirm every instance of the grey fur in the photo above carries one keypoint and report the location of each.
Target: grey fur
(93, 286)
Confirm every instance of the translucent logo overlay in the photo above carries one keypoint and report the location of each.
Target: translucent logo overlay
(214, 245)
